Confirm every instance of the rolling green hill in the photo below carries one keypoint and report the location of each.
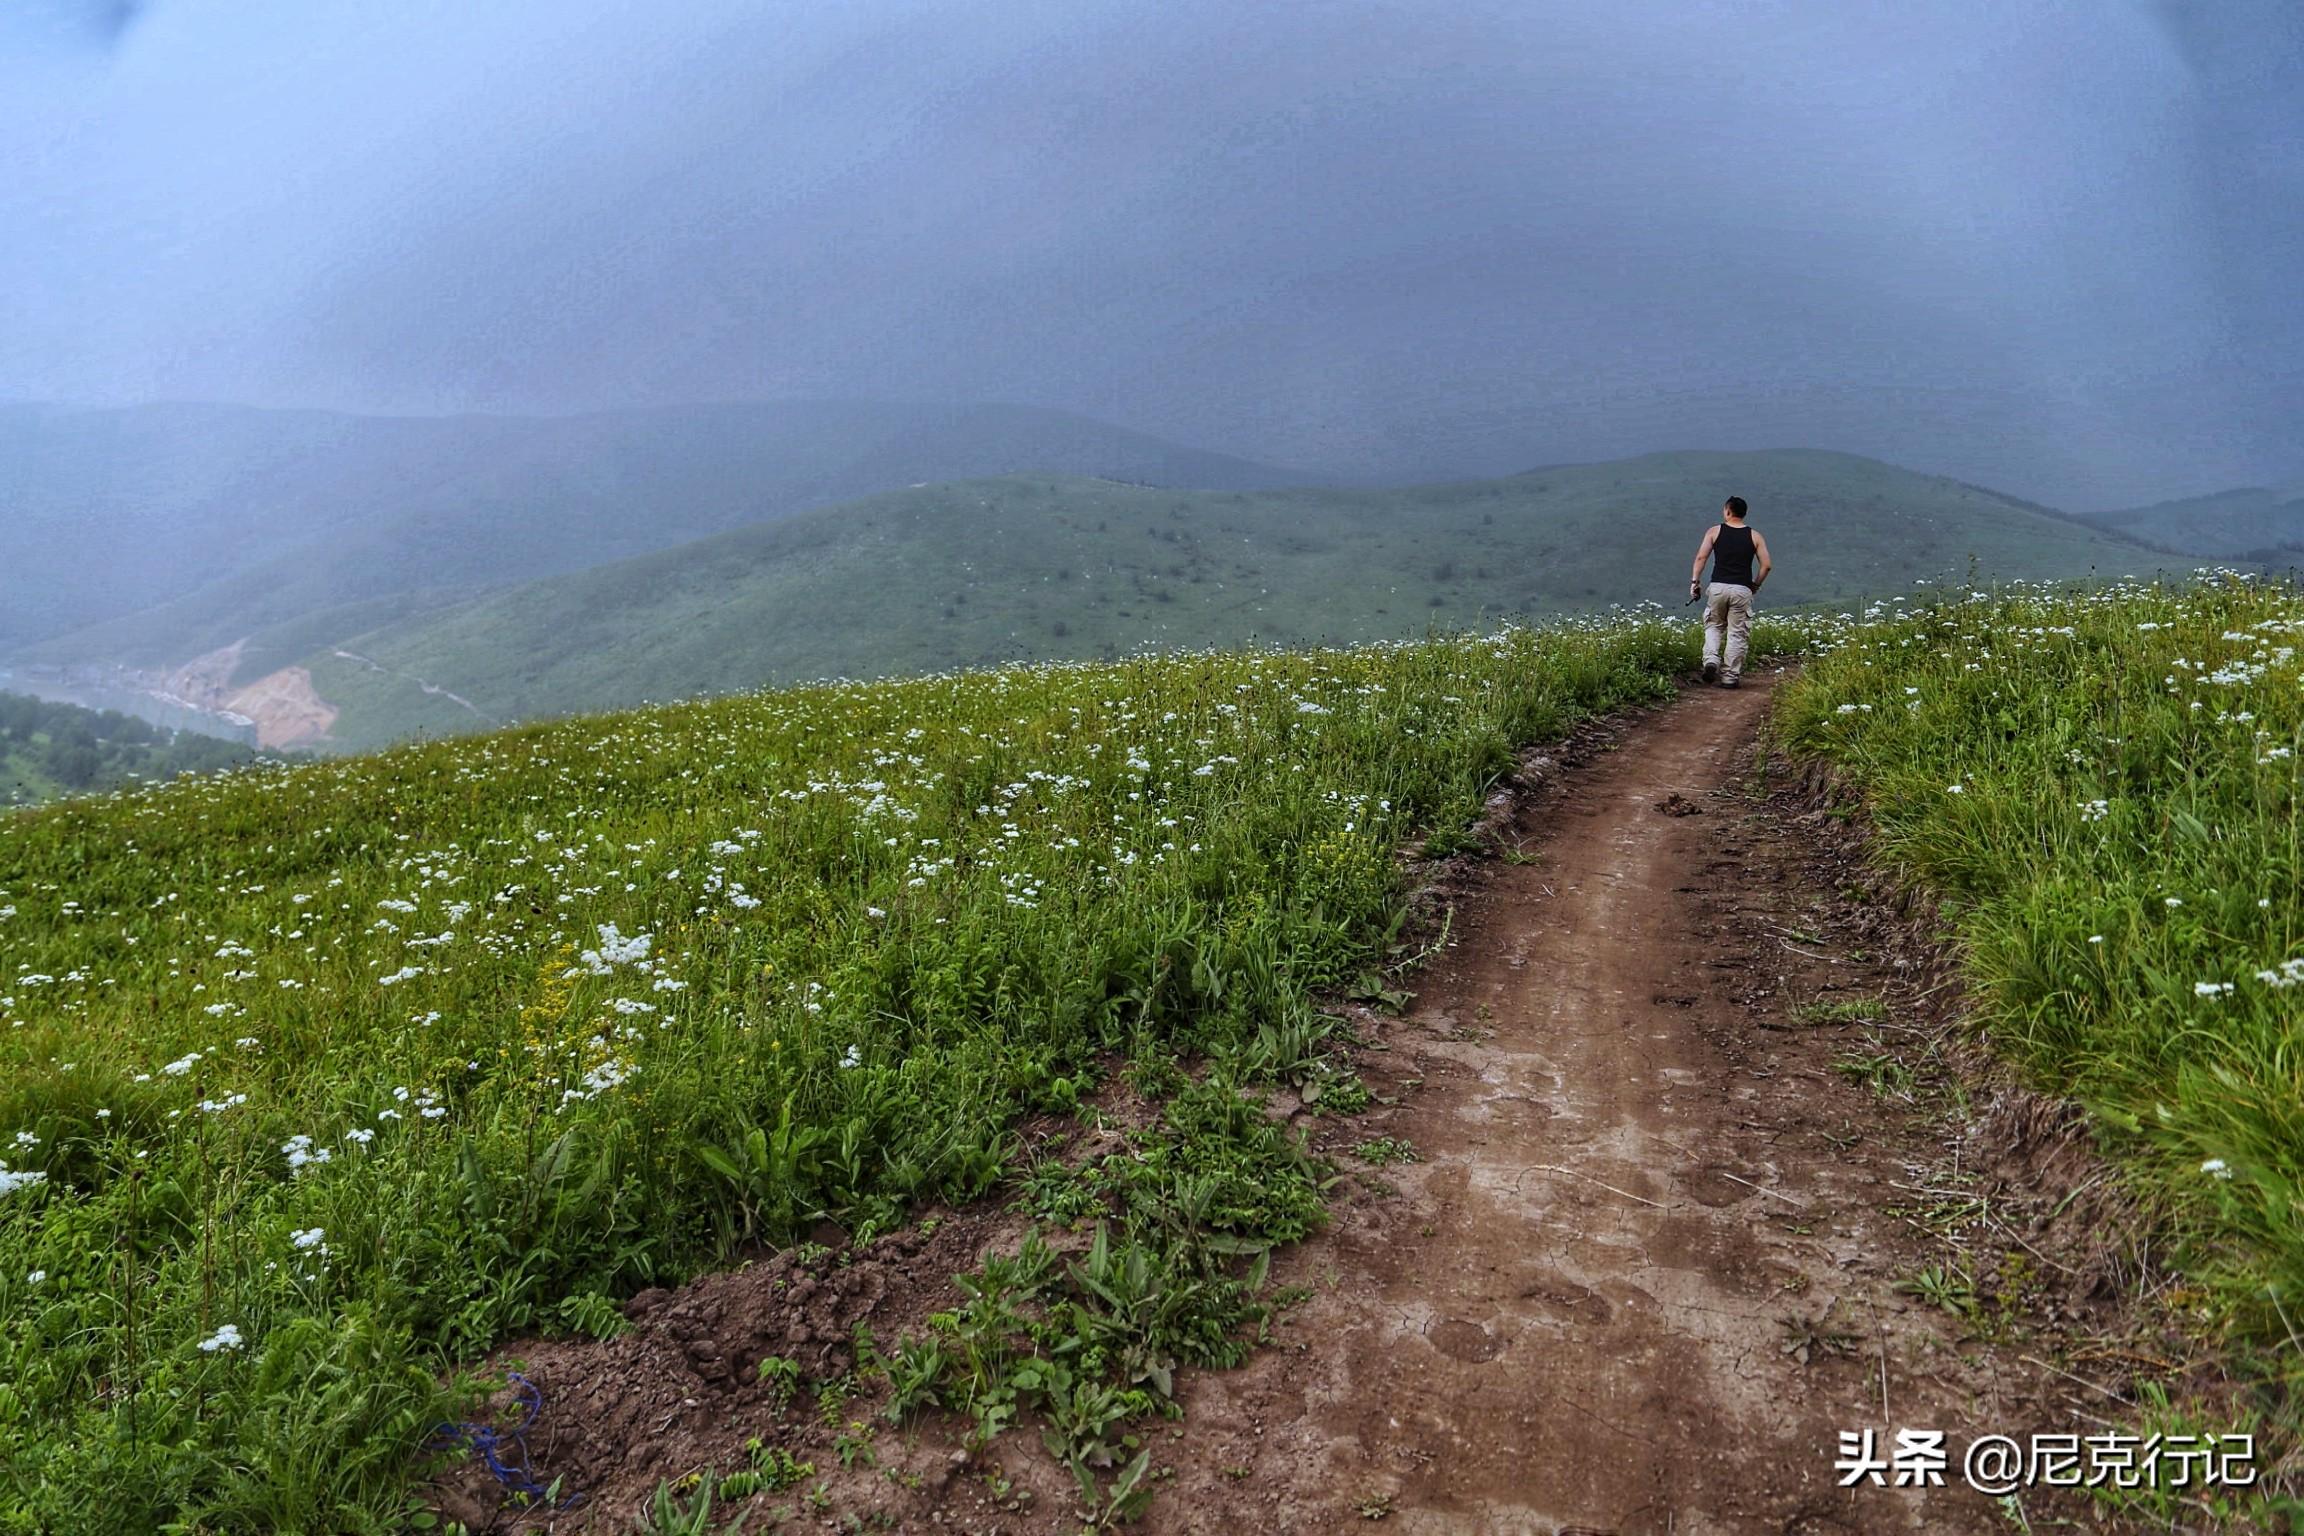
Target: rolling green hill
(962, 574)
(2251, 522)
(154, 535)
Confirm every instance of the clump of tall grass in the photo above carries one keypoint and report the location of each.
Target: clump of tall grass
(2104, 788)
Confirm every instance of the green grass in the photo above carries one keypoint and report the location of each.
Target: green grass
(2104, 790)
(1845, 1010)
(22, 781)
(990, 572)
(1383, 1151)
(50, 749)
(1876, 1070)
(315, 1082)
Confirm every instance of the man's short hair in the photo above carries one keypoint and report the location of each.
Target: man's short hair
(1736, 505)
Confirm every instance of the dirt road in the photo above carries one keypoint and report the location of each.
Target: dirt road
(1642, 1274)
(1641, 1277)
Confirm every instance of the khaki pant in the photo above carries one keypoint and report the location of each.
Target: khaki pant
(1727, 607)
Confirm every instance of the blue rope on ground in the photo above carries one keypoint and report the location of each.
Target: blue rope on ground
(486, 1439)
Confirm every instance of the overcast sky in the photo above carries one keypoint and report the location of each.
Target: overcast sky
(2055, 246)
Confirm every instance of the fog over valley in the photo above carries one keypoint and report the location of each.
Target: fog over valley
(320, 322)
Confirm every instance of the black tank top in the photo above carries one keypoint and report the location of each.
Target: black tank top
(1732, 556)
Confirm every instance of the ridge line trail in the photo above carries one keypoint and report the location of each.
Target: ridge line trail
(1636, 1166)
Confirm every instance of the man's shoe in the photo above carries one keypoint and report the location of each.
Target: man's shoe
(1711, 671)
(1729, 682)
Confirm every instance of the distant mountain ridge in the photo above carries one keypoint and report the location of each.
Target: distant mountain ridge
(2254, 521)
(154, 534)
(981, 572)
(344, 581)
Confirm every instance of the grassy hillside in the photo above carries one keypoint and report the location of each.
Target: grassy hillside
(970, 574)
(316, 1081)
(2250, 522)
(153, 535)
(2121, 863)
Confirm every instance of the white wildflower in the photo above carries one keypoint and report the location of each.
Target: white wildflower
(301, 1153)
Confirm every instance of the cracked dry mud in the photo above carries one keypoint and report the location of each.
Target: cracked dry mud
(1642, 1276)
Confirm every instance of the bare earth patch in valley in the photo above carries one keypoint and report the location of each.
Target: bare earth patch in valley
(287, 709)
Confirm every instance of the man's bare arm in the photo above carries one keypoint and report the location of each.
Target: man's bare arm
(1760, 545)
(1703, 548)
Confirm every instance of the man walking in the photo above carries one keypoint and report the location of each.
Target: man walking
(1739, 564)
